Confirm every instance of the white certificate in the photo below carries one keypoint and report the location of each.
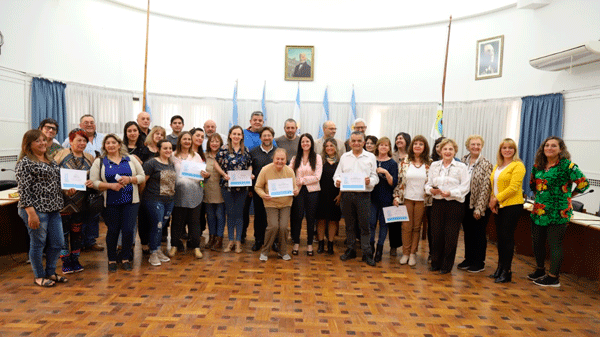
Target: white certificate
(73, 179)
(353, 182)
(240, 178)
(192, 169)
(395, 213)
(281, 187)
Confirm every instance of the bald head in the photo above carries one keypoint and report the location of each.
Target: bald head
(143, 120)
(210, 127)
(329, 129)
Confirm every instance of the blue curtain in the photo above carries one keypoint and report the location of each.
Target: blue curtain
(48, 101)
(541, 117)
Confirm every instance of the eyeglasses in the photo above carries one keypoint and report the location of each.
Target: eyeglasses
(50, 127)
(89, 123)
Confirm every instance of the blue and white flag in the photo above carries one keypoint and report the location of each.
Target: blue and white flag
(147, 107)
(234, 116)
(297, 110)
(324, 114)
(263, 103)
(352, 116)
(437, 130)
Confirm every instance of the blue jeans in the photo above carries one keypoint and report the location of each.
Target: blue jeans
(119, 218)
(377, 214)
(49, 236)
(90, 229)
(158, 213)
(72, 224)
(215, 216)
(234, 200)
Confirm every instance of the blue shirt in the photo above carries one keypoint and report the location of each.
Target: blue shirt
(382, 194)
(252, 139)
(124, 195)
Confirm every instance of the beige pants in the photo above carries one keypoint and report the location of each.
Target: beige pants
(278, 220)
(411, 229)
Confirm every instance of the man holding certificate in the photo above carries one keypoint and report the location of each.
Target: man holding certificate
(356, 177)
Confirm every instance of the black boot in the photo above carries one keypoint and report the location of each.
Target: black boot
(330, 247)
(321, 248)
(372, 248)
(505, 276)
(497, 273)
(378, 253)
(368, 258)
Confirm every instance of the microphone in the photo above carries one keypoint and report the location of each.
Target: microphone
(582, 194)
(5, 169)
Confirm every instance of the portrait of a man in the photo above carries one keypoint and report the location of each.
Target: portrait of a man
(299, 63)
(489, 58)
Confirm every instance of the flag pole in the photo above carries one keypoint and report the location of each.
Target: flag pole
(146, 58)
(446, 63)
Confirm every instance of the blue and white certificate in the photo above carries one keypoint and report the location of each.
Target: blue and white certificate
(353, 182)
(192, 169)
(240, 178)
(281, 187)
(395, 213)
(73, 179)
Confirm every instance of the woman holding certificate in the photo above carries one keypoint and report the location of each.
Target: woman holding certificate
(72, 214)
(448, 182)
(118, 175)
(278, 208)
(158, 197)
(308, 168)
(189, 192)
(230, 161)
(410, 191)
(328, 208)
(197, 141)
(41, 199)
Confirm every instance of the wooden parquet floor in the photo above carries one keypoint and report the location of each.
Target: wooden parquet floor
(237, 295)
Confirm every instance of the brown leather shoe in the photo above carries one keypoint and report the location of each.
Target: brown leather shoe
(95, 248)
(218, 245)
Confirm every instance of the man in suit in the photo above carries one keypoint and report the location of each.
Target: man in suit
(302, 69)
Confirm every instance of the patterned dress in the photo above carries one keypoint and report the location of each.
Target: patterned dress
(553, 188)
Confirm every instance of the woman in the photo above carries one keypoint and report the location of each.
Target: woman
(213, 197)
(435, 156)
(410, 191)
(150, 149)
(277, 208)
(307, 167)
(133, 141)
(552, 179)
(448, 182)
(41, 199)
(197, 141)
(73, 213)
(328, 209)
(158, 197)
(188, 199)
(371, 143)
(435, 151)
(401, 143)
(118, 175)
(476, 204)
(234, 157)
(381, 196)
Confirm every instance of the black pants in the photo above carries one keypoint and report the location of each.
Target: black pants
(246, 214)
(506, 223)
(475, 239)
(144, 226)
(260, 219)
(446, 217)
(304, 203)
(356, 207)
(202, 218)
(180, 217)
(555, 235)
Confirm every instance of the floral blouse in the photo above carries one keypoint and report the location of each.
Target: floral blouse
(233, 161)
(552, 190)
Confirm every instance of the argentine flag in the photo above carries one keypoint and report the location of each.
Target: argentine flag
(234, 116)
(297, 110)
(263, 104)
(324, 114)
(352, 116)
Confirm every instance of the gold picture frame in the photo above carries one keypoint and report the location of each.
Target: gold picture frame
(490, 54)
(299, 63)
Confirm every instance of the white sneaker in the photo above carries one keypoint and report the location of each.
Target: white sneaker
(161, 256)
(154, 260)
(198, 253)
(263, 257)
(412, 260)
(286, 257)
(404, 259)
(172, 251)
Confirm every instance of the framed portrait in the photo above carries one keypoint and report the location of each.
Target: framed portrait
(299, 63)
(490, 53)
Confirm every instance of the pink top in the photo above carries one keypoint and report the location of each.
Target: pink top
(306, 176)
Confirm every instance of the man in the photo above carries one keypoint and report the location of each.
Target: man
(488, 64)
(262, 155)
(302, 69)
(49, 128)
(356, 205)
(358, 125)
(290, 140)
(143, 120)
(94, 145)
(176, 126)
(329, 130)
(210, 128)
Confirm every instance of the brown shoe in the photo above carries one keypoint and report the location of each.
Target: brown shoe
(95, 248)
(211, 242)
(218, 244)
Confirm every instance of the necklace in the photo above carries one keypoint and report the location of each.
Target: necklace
(417, 166)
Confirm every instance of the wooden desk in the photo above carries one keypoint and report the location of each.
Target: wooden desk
(581, 244)
(13, 233)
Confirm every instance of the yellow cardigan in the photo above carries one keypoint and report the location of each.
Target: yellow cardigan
(510, 184)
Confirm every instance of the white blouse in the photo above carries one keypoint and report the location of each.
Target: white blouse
(454, 179)
(415, 183)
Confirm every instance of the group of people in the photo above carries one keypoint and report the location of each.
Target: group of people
(138, 184)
